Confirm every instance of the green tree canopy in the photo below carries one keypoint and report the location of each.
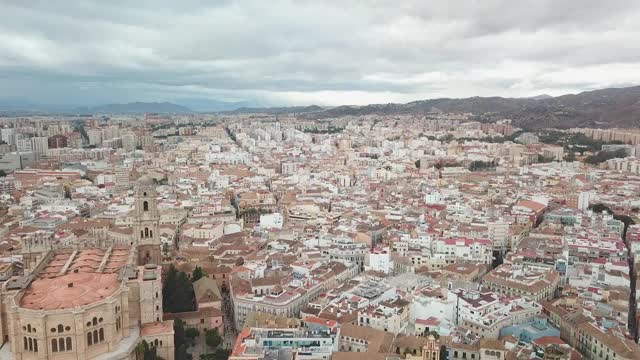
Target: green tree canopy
(177, 292)
(192, 333)
(212, 338)
(197, 274)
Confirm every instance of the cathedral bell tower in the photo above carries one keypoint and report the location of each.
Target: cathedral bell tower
(146, 236)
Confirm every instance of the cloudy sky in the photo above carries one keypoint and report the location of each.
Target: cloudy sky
(313, 52)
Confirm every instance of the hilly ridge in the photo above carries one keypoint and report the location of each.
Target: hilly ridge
(614, 107)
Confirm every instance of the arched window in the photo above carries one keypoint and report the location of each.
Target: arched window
(54, 345)
(141, 234)
(146, 232)
(155, 342)
(95, 336)
(145, 206)
(61, 344)
(101, 334)
(94, 321)
(60, 328)
(25, 342)
(35, 345)
(29, 328)
(30, 344)
(69, 347)
(150, 233)
(89, 339)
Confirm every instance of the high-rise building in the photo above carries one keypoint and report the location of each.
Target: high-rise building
(583, 200)
(39, 144)
(122, 177)
(129, 142)
(24, 145)
(8, 135)
(95, 136)
(57, 142)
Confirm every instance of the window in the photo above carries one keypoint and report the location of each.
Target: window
(61, 344)
(101, 334)
(60, 328)
(89, 339)
(54, 345)
(69, 347)
(94, 321)
(145, 206)
(95, 336)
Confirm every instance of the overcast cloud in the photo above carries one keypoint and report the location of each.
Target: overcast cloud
(313, 52)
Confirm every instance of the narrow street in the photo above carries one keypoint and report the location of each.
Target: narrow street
(632, 324)
(230, 331)
(632, 303)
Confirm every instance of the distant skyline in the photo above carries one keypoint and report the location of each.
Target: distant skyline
(269, 53)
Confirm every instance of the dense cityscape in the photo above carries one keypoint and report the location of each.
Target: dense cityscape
(275, 236)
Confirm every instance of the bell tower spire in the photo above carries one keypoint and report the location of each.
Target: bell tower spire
(147, 222)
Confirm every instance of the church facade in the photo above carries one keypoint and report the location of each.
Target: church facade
(97, 299)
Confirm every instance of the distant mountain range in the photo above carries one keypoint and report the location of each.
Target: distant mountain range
(18, 106)
(613, 107)
(136, 108)
(277, 110)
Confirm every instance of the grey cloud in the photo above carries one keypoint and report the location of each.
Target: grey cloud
(302, 51)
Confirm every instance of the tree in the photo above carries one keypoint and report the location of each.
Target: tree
(443, 352)
(181, 353)
(570, 157)
(197, 274)
(179, 336)
(417, 163)
(180, 340)
(221, 354)
(599, 208)
(140, 350)
(212, 338)
(192, 333)
(165, 249)
(177, 292)
(603, 156)
(2, 173)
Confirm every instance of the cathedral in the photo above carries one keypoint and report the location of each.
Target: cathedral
(96, 297)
